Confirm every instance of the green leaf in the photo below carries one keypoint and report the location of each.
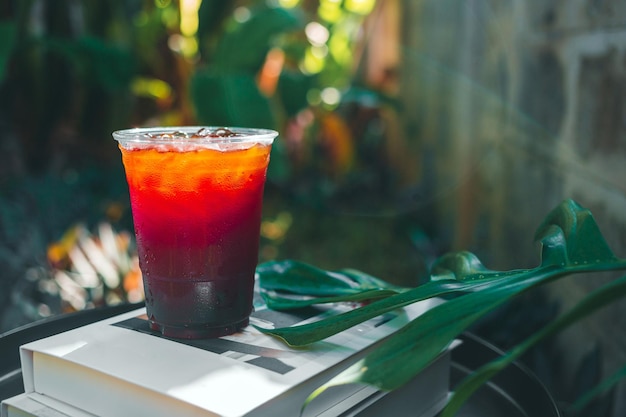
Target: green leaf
(572, 243)
(211, 17)
(301, 278)
(293, 87)
(306, 334)
(599, 298)
(452, 273)
(277, 301)
(232, 99)
(455, 273)
(599, 389)
(243, 46)
(290, 284)
(465, 266)
(105, 64)
(570, 236)
(96, 61)
(413, 347)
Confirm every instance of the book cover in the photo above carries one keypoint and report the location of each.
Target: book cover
(120, 367)
(35, 405)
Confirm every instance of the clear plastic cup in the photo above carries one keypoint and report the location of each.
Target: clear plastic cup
(196, 196)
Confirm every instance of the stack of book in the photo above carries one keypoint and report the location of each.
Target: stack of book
(119, 367)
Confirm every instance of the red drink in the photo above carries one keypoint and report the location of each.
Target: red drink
(196, 205)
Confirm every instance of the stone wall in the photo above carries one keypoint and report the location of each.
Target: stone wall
(514, 106)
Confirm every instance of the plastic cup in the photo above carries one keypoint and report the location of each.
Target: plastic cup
(196, 197)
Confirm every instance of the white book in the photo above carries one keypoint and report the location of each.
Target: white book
(424, 396)
(35, 405)
(118, 367)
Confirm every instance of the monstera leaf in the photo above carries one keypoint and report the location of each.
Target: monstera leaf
(571, 243)
(308, 285)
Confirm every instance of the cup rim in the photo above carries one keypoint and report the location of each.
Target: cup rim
(139, 135)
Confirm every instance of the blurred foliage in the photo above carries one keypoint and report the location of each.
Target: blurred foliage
(65, 80)
(73, 71)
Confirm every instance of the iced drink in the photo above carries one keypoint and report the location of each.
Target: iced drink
(196, 196)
